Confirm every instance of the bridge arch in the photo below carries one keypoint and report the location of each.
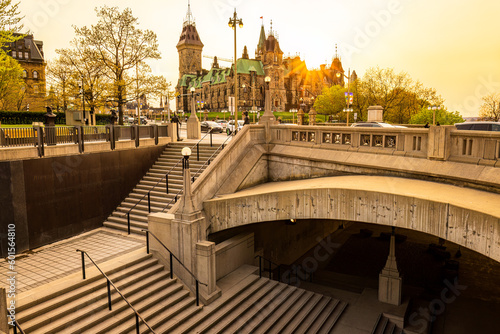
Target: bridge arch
(467, 217)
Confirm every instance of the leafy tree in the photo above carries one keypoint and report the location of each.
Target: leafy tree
(9, 23)
(121, 47)
(443, 117)
(490, 108)
(12, 86)
(331, 101)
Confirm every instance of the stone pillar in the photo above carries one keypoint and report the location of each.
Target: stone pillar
(439, 142)
(375, 114)
(193, 123)
(205, 256)
(389, 281)
(300, 116)
(312, 116)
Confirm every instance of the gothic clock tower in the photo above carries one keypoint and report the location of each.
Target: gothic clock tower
(189, 47)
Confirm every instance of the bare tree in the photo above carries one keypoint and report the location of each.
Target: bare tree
(491, 107)
(59, 76)
(121, 47)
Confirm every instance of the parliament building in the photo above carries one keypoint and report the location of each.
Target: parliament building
(291, 82)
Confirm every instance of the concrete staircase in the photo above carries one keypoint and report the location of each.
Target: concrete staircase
(385, 326)
(75, 305)
(260, 305)
(159, 198)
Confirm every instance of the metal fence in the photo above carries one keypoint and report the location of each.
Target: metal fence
(40, 136)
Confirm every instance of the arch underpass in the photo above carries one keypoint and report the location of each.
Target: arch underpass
(467, 217)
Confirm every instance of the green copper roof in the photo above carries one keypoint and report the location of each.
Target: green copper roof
(183, 80)
(247, 65)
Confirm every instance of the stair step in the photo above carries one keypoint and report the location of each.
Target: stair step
(223, 304)
(291, 313)
(334, 316)
(260, 309)
(224, 320)
(125, 320)
(303, 313)
(53, 319)
(316, 318)
(98, 313)
(280, 310)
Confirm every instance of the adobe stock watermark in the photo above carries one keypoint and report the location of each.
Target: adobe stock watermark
(321, 253)
(225, 9)
(472, 103)
(437, 306)
(48, 9)
(364, 36)
(66, 167)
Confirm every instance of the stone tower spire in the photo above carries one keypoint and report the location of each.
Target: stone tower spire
(189, 46)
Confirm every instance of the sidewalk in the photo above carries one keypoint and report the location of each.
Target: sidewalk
(48, 263)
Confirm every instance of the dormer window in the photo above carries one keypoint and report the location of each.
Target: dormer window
(26, 56)
(14, 54)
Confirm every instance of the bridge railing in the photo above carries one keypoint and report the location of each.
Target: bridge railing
(444, 143)
(40, 136)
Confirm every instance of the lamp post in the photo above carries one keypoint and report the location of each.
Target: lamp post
(233, 23)
(187, 205)
(434, 108)
(193, 123)
(268, 114)
(348, 94)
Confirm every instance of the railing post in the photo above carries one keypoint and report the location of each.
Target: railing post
(210, 138)
(270, 272)
(147, 241)
(83, 265)
(128, 222)
(109, 295)
(137, 323)
(171, 266)
(197, 294)
(137, 137)
(149, 201)
(197, 151)
(166, 182)
(260, 266)
(279, 274)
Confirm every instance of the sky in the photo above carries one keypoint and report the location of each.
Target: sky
(450, 45)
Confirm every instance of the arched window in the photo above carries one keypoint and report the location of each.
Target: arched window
(35, 74)
(25, 74)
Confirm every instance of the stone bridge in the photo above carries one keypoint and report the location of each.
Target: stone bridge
(439, 181)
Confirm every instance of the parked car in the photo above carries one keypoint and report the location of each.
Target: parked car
(479, 126)
(230, 126)
(128, 119)
(376, 125)
(144, 120)
(222, 123)
(210, 125)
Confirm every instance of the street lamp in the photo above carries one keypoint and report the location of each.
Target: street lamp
(348, 94)
(434, 108)
(233, 23)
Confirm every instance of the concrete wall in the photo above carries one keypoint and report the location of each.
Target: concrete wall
(233, 253)
(53, 198)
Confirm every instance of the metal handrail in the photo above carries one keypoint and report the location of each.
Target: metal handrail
(173, 199)
(148, 195)
(221, 147)
(16, 327)
(109, 282)
(172, 256)
(270, 268)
